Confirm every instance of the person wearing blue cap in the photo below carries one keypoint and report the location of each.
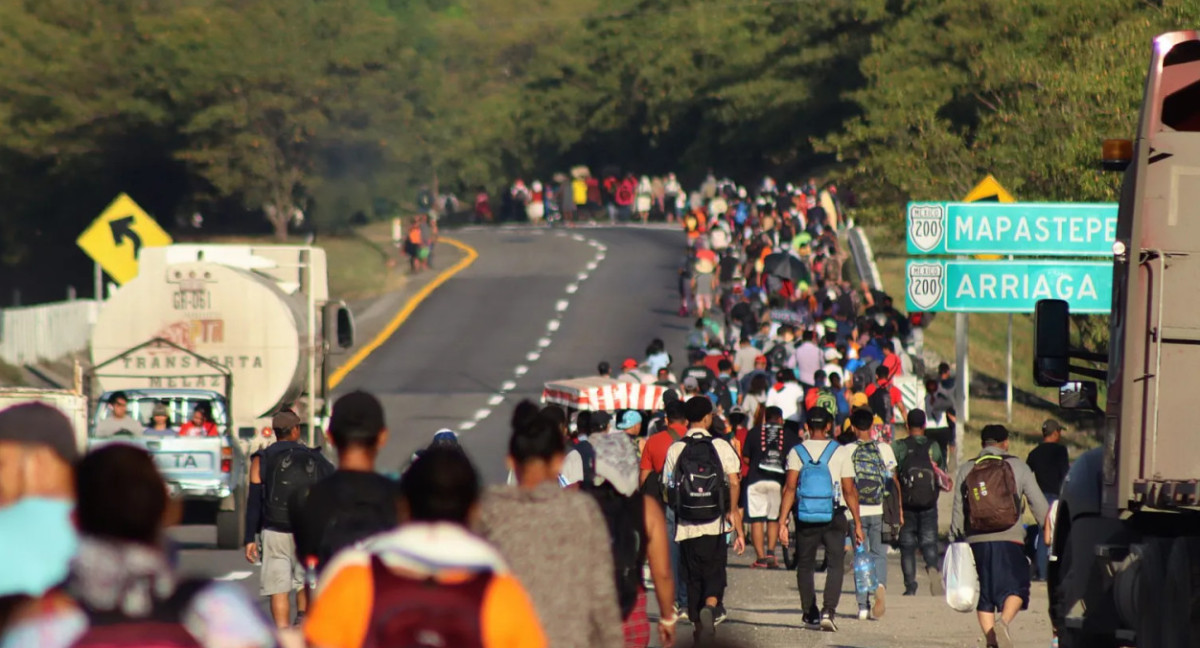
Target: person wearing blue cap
(630, 422)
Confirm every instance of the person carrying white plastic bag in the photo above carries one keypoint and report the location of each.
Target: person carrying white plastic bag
(960, 578)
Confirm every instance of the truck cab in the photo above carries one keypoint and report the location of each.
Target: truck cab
(208, 470)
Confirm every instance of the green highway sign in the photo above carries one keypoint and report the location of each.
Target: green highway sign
(1007, 286)
(1041, 229)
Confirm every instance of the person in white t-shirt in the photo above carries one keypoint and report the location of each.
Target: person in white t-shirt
(820, 521)
(786, 394)
(702, 543)
(872, 466)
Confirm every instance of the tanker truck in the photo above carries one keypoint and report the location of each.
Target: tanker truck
(1125, 539)
(222, 336)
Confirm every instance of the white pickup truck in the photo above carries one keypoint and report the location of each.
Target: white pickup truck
(204, 471)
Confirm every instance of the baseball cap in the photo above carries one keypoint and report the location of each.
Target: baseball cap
(1050, 427)
(629, 363)
(285, 420)
(599, 421)
(691, 383)
(859, 399)
(818, 416)
(628, 420)
(40, 424)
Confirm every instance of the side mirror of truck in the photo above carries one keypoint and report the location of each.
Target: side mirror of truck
(1078, 395)
(1051, 343)
(339, 326)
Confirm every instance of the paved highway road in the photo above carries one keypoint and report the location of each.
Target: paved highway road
(463, 359)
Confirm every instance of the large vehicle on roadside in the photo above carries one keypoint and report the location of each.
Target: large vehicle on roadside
(238, 331)
(1126, 534)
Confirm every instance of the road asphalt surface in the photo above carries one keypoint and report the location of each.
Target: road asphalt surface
(540, 305)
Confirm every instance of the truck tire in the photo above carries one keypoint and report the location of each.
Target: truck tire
(231, 525)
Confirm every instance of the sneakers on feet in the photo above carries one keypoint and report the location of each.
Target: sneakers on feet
(910, 589)
(1003, 638)
(879, 608)
(863, 614)
(935, 581)
(719, 615)
(811, 617)
(706, 627)
(827, 623)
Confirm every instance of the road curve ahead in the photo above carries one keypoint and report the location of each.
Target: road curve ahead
(537, 305)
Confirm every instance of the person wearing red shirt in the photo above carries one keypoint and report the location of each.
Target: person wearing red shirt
(201, 423)
(883, 381)
(654, 459)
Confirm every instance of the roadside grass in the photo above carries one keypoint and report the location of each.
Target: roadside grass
(361, 264)
(988, 343)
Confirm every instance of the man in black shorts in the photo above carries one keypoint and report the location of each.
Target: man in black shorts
(982, 516)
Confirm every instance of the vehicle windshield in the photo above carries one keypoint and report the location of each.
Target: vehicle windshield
(179, 411)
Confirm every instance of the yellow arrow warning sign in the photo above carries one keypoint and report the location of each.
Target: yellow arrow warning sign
(989, 189)
(114, 239)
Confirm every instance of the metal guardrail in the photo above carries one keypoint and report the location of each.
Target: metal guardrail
(864, 257)
(30, 334)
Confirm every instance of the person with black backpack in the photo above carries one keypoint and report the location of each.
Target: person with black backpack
(280, 473)
(766, 450)
(702, 476)
(355, 502)
(918, 456)
(884, 398)
(987, 514)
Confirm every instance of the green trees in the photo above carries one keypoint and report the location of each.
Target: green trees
(254, 110)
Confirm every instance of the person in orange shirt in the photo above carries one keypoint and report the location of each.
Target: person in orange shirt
(430, 579)
(201, 423)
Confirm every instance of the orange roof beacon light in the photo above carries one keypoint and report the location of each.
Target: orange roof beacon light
(1117, 154)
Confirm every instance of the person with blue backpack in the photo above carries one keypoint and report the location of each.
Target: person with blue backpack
(819, 500)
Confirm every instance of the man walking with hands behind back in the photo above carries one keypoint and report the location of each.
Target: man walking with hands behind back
(987, 513)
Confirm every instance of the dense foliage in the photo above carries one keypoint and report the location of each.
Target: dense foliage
(247, 111)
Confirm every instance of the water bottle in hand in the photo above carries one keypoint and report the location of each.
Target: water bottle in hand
(864, 571)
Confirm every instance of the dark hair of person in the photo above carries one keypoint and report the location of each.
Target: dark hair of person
(357, 421)
(117, 396)
(862, 419)
(440, 486)
(536, 436)
(603, 368)
(994, 433)
(773, 414)
(556, 414)
(724, 365)
(759, 384)
(675, 411)
(881, 372)
(120, 495)
(785, 375)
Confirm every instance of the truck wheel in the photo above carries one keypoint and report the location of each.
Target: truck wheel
(231, 525)
(1180, 605)
(1152, 618)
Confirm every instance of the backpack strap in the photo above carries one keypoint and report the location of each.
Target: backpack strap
(827, 453)
(587, 455)
(803, 453)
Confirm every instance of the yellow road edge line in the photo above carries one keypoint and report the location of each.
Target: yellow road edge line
(403, 314)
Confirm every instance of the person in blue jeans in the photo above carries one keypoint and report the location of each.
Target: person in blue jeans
(1049, 462)
(916, 454)
(871, 465)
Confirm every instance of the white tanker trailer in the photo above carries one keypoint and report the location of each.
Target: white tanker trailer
(240, 331)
